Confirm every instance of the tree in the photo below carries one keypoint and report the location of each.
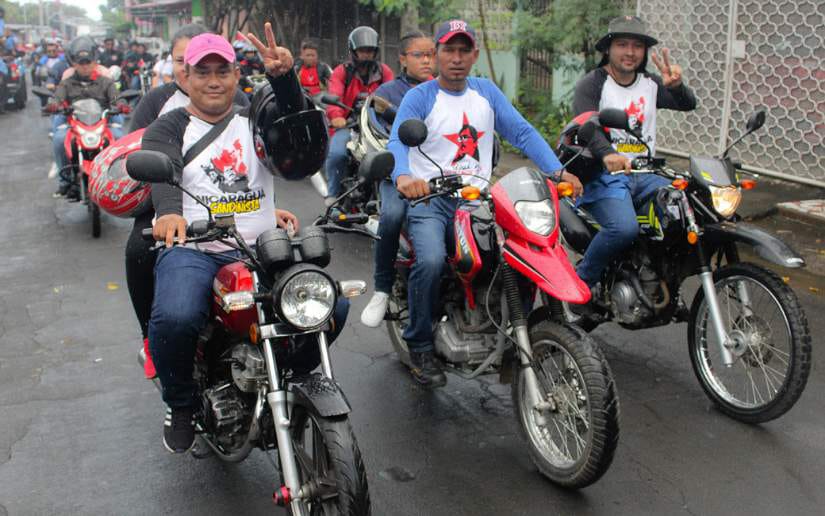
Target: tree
(426, 13)
(229, 14)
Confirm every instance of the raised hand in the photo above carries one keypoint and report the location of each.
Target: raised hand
(671, 73)
(277, 60)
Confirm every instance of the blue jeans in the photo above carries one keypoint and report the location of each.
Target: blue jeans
(59, 129)
(180, 310)
(134, 83)
(393, 213)
(335, 166)
(430, 227)
(617, 218)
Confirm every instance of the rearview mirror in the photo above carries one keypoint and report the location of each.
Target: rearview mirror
(40, 91)
(614, 118)
(756, 120)
(376, 166)
(150, 166)
(412, 132)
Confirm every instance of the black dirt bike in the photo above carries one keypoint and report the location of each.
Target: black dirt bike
(271, 312)
(748, 337)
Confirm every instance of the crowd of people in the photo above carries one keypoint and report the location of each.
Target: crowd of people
(197, 90)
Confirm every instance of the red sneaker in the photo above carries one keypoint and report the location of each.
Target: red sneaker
(148, 365)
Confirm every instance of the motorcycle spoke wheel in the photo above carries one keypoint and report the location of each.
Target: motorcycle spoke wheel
(329, 465)
(573, 432)
(771, 344)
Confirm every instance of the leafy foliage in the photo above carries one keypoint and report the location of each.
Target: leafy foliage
(429, 12)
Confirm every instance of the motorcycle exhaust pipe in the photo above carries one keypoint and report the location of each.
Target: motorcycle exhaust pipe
(319, 182)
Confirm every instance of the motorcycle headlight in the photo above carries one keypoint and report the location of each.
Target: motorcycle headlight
(305, 299)
(538, 216)
(725, 199)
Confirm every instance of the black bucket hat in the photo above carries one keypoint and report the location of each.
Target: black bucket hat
(626, 26)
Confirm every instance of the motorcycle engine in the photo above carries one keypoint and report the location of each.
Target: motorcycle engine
(225, 415)
(466, 336)
(248, 368)
(627, 307)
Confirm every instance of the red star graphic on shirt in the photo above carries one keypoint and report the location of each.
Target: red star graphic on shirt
(466, 139)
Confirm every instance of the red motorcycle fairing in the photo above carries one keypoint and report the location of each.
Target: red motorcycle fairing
(538, 257)
(234, 277)
(74, 140)
(467, 260)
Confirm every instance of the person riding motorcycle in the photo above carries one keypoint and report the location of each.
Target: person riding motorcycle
(313, 74)
(140, 255)
(135, 59)
(110, 56)
(231, 166)
(84, 83)
(416, 53)
(362, 74)
(461, 114)
(621, 81)
(250, 63)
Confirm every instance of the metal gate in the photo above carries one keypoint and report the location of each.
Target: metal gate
(740, 55)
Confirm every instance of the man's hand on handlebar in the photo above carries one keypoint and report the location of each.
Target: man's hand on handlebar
(286, 218)
(168, 227)
(338, 122)
(578, 188)
(616, 162)
(412, 188)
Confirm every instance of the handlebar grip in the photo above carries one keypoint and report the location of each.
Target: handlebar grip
(146, 234)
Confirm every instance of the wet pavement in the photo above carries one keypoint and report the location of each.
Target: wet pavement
(80, 430)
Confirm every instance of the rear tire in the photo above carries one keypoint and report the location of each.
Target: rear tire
(95, 215)
(397, 309)
(341, 462)
(584, 378)
(21, 96)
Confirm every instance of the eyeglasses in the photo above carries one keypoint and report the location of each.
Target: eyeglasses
(420, 55)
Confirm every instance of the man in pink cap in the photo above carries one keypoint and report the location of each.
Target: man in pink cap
(228, 172)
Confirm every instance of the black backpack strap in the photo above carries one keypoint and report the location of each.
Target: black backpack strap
(207, 139)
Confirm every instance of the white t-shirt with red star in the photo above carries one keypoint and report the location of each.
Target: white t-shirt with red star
(460, 132)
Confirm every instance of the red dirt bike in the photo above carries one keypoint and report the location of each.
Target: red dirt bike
(89, 133)
(507, 244)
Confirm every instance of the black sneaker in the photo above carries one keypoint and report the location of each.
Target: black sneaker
(588, 309)
(73, 195)
(426, 370)
(179, 429)
(62, 190)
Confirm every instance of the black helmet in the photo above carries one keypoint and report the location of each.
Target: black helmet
(362, 37)
(293, 145)
(81, 48)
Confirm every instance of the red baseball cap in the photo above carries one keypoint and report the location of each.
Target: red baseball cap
(206, 44)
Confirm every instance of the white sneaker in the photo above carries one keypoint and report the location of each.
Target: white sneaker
(373, 314)
(53, 171)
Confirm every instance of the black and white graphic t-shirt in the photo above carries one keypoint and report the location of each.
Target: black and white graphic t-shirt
(640, 100)
(228, 175)
(164, 99)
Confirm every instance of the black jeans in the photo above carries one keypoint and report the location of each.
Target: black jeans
(140, 267)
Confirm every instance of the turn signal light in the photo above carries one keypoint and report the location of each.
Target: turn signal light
(247, 90)
(470, 193)
(565, 189)
(692, 237)
(342, 217)
(253, 333)
(680, 184)
(747, 184)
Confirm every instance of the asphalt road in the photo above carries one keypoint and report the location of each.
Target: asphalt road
(80, 430)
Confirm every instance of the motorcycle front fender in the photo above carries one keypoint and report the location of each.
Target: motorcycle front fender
(549, 268)
(766, 245)
(321, 394)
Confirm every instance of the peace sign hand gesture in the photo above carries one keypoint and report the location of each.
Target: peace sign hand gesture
(671, 73)
(277, 60)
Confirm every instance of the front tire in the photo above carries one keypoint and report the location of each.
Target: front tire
(583, 408)
(327, 453)
(772, 352)
(95, 214)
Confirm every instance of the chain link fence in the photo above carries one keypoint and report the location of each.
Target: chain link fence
(741, 55)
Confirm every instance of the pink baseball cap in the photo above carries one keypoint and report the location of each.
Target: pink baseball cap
(203, 45)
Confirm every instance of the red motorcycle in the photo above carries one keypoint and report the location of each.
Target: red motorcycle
(89, 133)
(491, 320)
